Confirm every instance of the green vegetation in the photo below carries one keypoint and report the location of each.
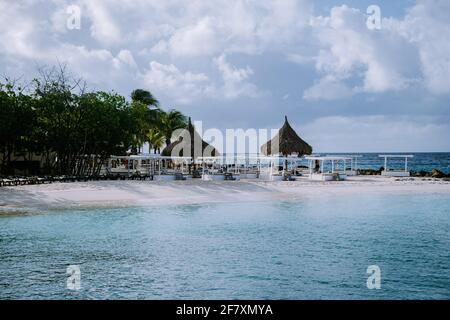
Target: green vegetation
(68, 130)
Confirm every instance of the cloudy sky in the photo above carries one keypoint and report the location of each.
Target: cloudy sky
(245, 64)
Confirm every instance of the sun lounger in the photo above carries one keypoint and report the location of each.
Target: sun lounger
(8, 182)
(289, 178)
(196, 174)
(179, 176)
(229, 176)
(22, 181)
(40, 180)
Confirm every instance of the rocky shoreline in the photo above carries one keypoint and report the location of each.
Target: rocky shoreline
(435, 173)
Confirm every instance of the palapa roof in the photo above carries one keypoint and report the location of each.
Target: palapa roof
(288, 143)
(191, 141)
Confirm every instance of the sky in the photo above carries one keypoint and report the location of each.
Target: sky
(344, 85)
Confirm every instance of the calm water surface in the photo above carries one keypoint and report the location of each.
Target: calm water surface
(303, 249)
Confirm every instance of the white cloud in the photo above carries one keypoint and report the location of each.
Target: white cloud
(410, 51)
(235, 79)
(209, 28)
(184, 87)
(103, 27)
(96, 64)
(122, 35)
(328, 88)
(376, 134)
(300, 58)
(198, 39)
(126, 57)
(427, 25)
(19, 35)
(377, 61)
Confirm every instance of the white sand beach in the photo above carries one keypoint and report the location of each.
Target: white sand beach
(146, 193)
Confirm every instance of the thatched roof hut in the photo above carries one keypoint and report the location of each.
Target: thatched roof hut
(286, 142)
(190, 144)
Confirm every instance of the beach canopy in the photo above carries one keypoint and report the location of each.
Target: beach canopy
(190, 144)
(286, 142)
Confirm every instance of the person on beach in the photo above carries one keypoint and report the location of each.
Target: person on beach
(317, 166)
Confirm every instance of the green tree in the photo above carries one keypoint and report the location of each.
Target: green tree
(110, 126)
(155, 140)
(59, 119)
(76, 131)
(79, 131)
(148, 108)
(142, 122)
(169, 122)
(17, 118)
(144, 96)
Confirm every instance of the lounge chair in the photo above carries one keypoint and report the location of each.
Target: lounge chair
(40, 180)
(288, 177)
(22, 181)
(229, 176)
(196, 174)
(179, 176)
(7, 181)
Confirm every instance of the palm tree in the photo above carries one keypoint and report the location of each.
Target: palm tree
(150, 113)
(169, 122)
(155, 140)
(144, 96)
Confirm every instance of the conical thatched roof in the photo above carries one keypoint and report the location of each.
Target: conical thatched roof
(288, 143)
(190, 140)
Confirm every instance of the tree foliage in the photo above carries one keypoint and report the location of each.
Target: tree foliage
(169, 122)
(74, 131)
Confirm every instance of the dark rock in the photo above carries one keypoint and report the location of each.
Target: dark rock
(369, 172)
(420, 174)
(435, 173)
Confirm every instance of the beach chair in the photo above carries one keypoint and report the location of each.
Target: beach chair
(142, 177)
(196, 174)
(49, 179)
(179, 176)
(7, 181)
(229, 176)
(40, 180)
(22, 181)
(288, 177)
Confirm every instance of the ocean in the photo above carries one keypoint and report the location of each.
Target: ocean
(313, 248)
(420, 162)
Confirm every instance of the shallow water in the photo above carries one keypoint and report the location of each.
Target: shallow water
(312, 248)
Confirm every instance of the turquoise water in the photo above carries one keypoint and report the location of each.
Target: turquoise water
(422, 161)
(310, 248)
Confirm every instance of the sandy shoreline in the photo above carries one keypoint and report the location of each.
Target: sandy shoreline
(144, 193)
